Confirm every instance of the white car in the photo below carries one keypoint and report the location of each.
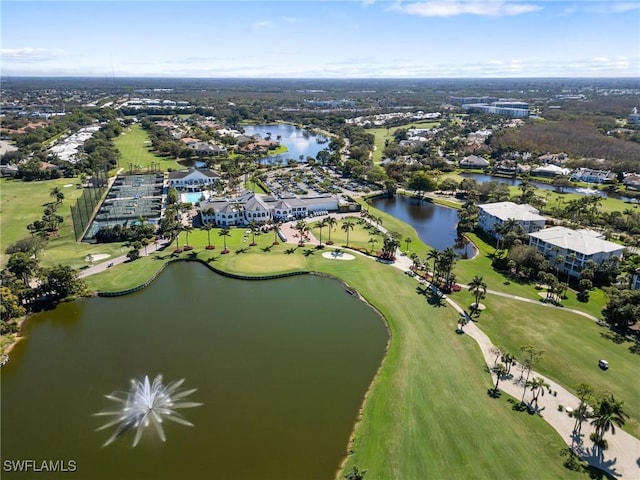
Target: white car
(603, 364)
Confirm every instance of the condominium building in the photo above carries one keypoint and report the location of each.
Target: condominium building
(493, 215)
(577, 247)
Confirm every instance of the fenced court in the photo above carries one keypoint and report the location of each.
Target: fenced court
(130, 198)
(82, 211)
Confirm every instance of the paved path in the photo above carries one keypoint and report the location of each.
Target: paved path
(621, 459)
(110, 262)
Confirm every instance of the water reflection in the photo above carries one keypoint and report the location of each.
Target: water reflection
(484, 178)
(435, 224)
(298, 141)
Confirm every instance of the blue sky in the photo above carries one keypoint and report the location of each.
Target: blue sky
(330, 38)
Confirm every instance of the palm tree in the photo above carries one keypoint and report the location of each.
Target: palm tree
(207, 227)
(303, 229)
(175, 233)
(537, 386)
(479, 288)
(253, 225)
(321, 224)
(530, 356)
(224, 233)
(608, 415)
(331, 223)
(391, 243)
(373, 242)
(347, 225)
(408, 241)
(276, 226)
(447, 261)
(434, 254)
(187, 229)
(585, 394)
(500, 370)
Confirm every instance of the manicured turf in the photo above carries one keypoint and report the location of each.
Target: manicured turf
(21, 203)
(135, 151)
(572, 344)
(384, 134)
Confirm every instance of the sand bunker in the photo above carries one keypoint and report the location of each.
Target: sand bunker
(67, 185)
(338, 255)
(96, 257)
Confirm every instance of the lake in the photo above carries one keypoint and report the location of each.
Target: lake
(435, 224)
(298, 141)
(483, 178)
(281, 367)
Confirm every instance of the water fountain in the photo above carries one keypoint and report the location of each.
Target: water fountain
(147, 404)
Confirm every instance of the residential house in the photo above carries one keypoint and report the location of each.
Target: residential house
(550, 170)
(577, 247)
(553, 158)
(192, 180)
(632, 181)
(473, 161)
(510, 167)
(493, 215)
(589, 175)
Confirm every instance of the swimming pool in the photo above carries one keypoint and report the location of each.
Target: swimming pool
(194, 197)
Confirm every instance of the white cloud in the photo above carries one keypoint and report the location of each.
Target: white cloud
(29, 54)
(449, 8)
(602, 8)
(262, 25)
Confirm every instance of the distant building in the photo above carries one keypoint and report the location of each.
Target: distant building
(632, 181)
(553, 158)
(550, 171)
(634, 118)
(473, 161)
(466, 100)
(492, 215)
(577, 247)
(507, 109)
(589, 175)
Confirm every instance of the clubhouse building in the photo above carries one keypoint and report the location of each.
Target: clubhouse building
(248, 207)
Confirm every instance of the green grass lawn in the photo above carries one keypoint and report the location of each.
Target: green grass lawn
(384, 134)
(21, 203)
(572, 344)
(135, 149)
(16, 214)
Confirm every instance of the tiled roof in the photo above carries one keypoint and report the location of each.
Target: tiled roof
(579, 241)
(506, 210)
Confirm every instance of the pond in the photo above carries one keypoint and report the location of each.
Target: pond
(435, 224)
(280, 366)
(483, 178)
(298, 141)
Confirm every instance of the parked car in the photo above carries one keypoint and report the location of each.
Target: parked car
(603, 364)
